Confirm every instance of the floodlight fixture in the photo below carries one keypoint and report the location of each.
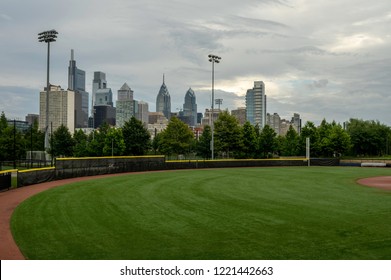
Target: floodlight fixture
(47, 37)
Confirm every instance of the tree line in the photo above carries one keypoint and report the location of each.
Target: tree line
(231, 140)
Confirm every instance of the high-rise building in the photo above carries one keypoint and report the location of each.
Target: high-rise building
(142, 112)
(77, 83)
(104, 96)
(32, 118)
(102, 101)
(284, 126)
(296, 122)
(190, 108)
(125, 109)
(208, 117)
(256, 104)
(61, 109)
(240, 114)
(163, 101)
(99, 82)
(274, 121)
(104, 114)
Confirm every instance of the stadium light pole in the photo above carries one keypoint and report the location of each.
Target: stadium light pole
(47, 37)
(214, 59)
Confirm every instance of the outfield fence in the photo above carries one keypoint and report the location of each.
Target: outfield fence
(90, 166)
(5, 180)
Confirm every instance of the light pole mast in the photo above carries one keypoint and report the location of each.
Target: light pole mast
(214, 59)
(47, 37)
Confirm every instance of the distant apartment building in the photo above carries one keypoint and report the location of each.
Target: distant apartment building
(208, 117)
(77, 83)
(284, 127)
(32, 118)
(124, 105)
(281, 126)
(240, 115)
(256, 104)
(61, 109)
(274, 121)
(296, 122)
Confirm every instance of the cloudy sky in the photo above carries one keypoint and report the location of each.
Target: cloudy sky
(321, 59)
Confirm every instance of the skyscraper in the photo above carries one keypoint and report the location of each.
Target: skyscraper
(102, 101)
(163, 101)
(77, 83)
(274, 121)
(240, 114)
(256, 104)
(124, 105)
(190, 107)
(61, 109)
(296, 122)
(142, 112)
(104, 96)
(99, 82)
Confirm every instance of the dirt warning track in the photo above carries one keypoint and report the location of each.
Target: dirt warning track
(9, 200)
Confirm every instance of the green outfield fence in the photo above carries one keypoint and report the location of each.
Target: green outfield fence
(89, 166)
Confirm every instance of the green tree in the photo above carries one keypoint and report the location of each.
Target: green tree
(12, 144)
(137, 138)
(339, 140)
(96, 140)
(177, 138)
(114, 144)
(81, 144)
(324, 131)
(368, 138)
(62, 142)
(309, 130)
(156, 144)
(227, 134)
(3, 139)
(203, 144)
(291, 143)
(3, 122)
(249, 140)
(267, 141)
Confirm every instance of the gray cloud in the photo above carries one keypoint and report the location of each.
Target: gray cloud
(316, 63)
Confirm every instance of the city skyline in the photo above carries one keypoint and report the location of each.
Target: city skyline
(315, 58)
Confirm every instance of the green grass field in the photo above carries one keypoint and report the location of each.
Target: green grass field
(248, 213)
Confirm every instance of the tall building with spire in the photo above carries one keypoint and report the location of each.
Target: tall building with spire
(256, 104)
(77, 83)
(163, 101)
(190, 108)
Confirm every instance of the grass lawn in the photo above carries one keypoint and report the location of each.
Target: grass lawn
(247, 213)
